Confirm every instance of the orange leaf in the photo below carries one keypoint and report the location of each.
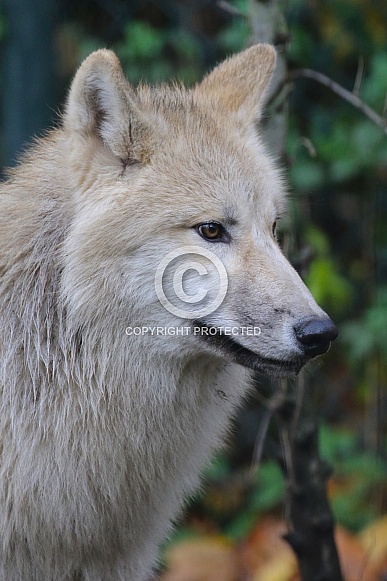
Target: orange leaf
(204, 559)
(374, 540)
(356, 556)
(265, 555)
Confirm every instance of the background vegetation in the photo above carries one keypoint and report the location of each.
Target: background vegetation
(336, 234)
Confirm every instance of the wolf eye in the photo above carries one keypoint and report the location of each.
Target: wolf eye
(212, 231)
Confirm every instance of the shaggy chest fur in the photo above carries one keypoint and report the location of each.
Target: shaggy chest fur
(95, 459)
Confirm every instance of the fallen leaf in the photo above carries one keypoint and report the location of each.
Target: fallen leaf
(265, 555)
(204, 559)
(353, 558)
(355, 554)
(282, 568)
(374, 540)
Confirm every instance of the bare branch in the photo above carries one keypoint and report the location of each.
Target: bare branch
(229, 8)
(307, 143)
(272, 406)
(261, 437)
(307, 509)
(339, 90)
(359, 77)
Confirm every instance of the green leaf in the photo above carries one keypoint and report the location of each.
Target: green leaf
(307, 175)
(270, 489)
(329, 288)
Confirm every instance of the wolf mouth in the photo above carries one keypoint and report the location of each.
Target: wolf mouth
(227, 346)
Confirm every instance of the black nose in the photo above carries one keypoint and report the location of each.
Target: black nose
(315, 335)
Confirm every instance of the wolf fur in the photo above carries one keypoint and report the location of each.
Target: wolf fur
(103, 434)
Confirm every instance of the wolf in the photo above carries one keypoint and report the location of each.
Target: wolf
(107, 416)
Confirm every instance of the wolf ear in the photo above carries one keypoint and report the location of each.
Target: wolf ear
(239, 84)
(102, 103)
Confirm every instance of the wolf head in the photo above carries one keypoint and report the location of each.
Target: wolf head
(176, 206)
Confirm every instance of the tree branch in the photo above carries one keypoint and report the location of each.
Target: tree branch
(308, 511)
(348, 96)
(229, 8)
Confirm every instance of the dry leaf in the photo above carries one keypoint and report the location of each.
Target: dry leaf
(356, 554)
(265, 555)
(204, 559)
(282, 568)
(374, 540)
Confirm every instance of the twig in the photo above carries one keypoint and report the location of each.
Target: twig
(272, 406)
(229, 8)
(307, 143)
(261, 437)
(339, 90)
(359, 77)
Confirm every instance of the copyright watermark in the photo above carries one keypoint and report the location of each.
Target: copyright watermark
(191, 282)
(195, 330)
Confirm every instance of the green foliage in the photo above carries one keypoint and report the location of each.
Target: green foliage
(307, 175)
(338, 178)
(358, 474)
(234, 37)
(270, 487)
(338, 168)
(154, 55)
(302, 46)
(328, 287)
(237, 502)
(375, 85)
(267, 493)
(367, 335)
(148, 53)
(218, 469)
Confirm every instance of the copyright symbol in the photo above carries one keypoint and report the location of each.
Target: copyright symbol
(191, 276)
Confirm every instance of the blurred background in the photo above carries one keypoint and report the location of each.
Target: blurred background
(335, 160)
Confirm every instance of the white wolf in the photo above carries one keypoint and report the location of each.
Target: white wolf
(104, 432)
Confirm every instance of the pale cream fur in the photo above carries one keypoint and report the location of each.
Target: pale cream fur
(104, 435)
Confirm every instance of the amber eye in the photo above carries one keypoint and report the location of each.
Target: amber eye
(212, 231)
